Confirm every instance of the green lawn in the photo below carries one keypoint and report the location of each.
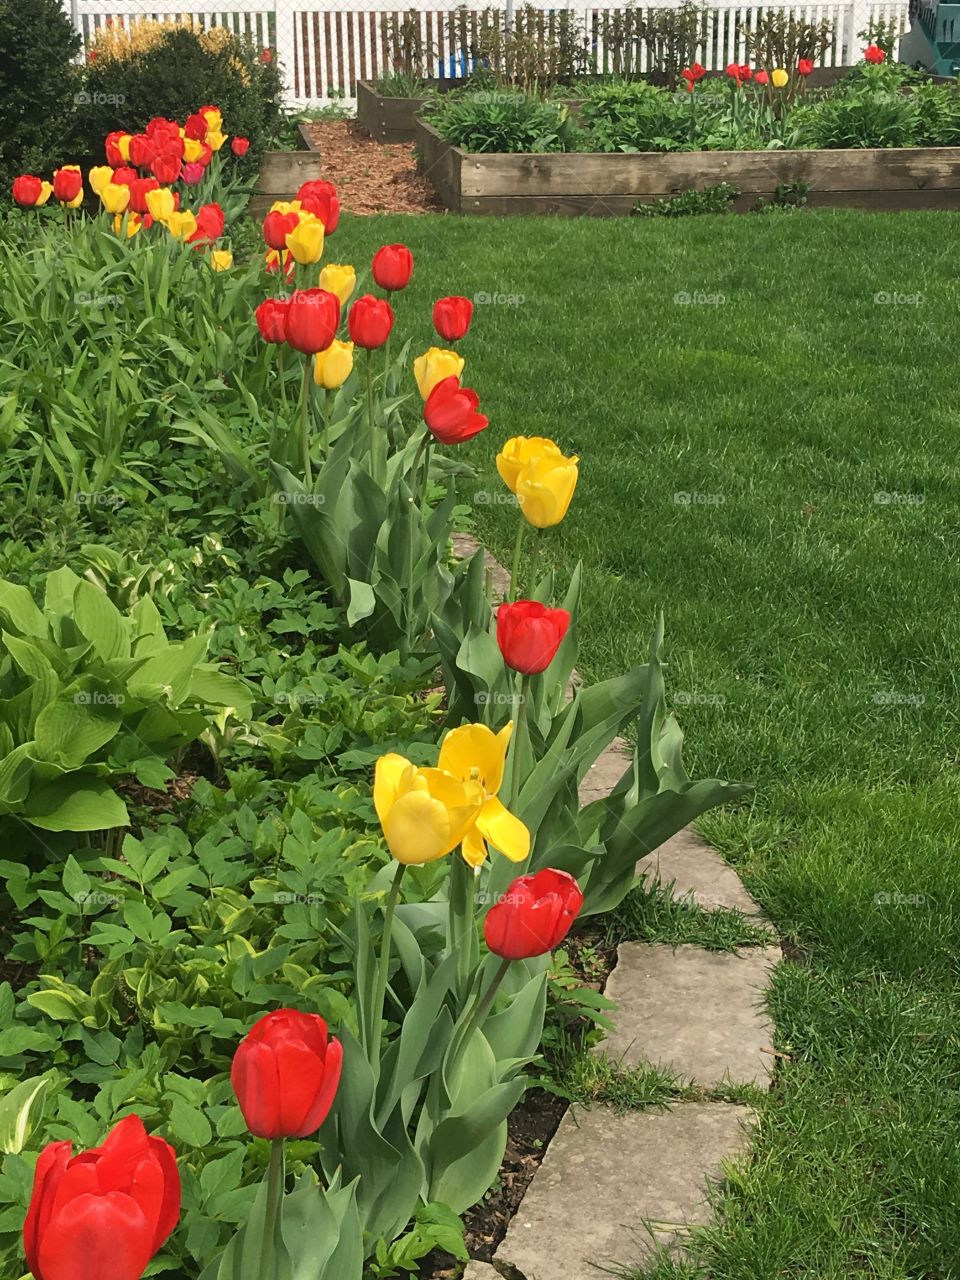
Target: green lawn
(812, 639)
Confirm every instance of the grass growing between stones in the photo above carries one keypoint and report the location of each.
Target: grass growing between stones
(776, 466)
(649, 914)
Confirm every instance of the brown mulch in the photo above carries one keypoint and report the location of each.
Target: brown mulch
(371, 176)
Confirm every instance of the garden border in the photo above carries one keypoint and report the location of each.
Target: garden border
(603, 185)
(283, 172)
(656, 1166)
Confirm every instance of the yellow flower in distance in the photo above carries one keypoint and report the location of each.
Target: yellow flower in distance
(181, 224)
(133, 220)
(98, 177)
(213, 117)
(115, 197)
(339, 279)
(779, 78)
(518, 452)
(545, 489)
(424, 813)
(123, 146)
(285, 206)
(435, 365)
(305, 241)
(192, 150)
(221, 259)
(216, 139)
(331, 368)
(161, 204)
(46, 191)
(475, 754)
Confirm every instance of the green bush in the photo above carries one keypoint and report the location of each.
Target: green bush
(174, 77)
(496, 120)
(635, 116)
(871, 118)
(37, 86)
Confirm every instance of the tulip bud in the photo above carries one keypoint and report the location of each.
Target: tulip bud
(115, 199)
(312, 320)
(529, 635)
(240, 146)
(435, 365)
(452, 412)
(545, 490)
(451, 318)
(338, 279)
(305, 241)
(160, 203)
(68, 184)
(98, 177)
(26, 190)
(221, 259)
(271, 316)
(332, 367)
(393, 267)
(285, 1074)
(779, 78)
(370, 321)
(533, 916)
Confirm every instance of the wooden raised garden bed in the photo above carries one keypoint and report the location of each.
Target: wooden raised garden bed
(392, 119)
(283, 172)
(599, 185)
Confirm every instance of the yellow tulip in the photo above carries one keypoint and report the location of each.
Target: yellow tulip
(123, 146)
(545, 488)
(160, 202)
(216, 139)
(285, 206)
(213, 117)
(435, 365)
(305, 241)
(115, 197)
(99, 176)
(133, 220)
(475, 754)
(192, 150)
(221, 259)
(424, 813)
(76, 202)
(779, 78)
(518, 452)
(46, 191)
(181, 224)
(338, 279)
(331, 368)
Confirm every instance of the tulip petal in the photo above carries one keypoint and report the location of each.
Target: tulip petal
(256, 1082)
(474, 750)
(417, 829)
(332, 1068)
(504, 830)
(106, 1236)
(386, 783)
(474, 848)
(50, 1168)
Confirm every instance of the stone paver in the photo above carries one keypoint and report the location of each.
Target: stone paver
(606, 1175)
(464, 546)
(698, 872)
(603, 776)
(481, 1271)
(698, 1013)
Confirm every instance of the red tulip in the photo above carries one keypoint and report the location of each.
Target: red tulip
(804, 67)
(320, 198)
(451, 317)
(873, 53)
(162, 130)
(761, 78)
(206, 154)
(451, 412)
(167, 163)
(210, 224)
(142, 149)
(192, 174)
(114, 157)
(105, 1212)
(393, 267)
(196, 126)
(240, 146)
(312, 320)
(745, 72)
(67, 184)
(138, 193)
(693, 74)
(533, 916)
(370, 321)
(277, 226)
(285, 1074)
(272, 319)
(124, 176)
(26, 190)
(529, 635)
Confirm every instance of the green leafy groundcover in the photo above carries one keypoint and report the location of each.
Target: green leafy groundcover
(886, 105)
(210, 634)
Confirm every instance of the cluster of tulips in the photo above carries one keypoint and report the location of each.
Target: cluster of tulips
(740, 73)
(136, 184)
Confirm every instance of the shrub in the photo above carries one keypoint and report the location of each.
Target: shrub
(635, 117)
(37, 86)
(171, 70)
(493, 120)
(877, 118)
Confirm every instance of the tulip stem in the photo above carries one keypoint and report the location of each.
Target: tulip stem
(274, 1191)
(477, 1016)
(515, 567)
(374, 467)
(329, 397)
(305, 421)
(519, 738)
(381, 990)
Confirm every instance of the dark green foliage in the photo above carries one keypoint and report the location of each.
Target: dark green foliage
(635, 116)
(497, 120)
(716, 199)
(37, 86)
(175, 77)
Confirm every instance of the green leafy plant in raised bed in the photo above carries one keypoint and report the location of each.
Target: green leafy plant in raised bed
(870, 111)
(497, 120)
(692, 203)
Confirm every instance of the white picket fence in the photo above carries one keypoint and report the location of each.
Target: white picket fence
(324, 49)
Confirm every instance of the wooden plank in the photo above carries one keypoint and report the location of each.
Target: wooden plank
(441, 164)
(284, 171)
(599, 176)
(621, 206)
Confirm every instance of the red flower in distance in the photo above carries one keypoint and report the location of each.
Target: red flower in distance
(873, 53)
(277, 226)
(196, 127)
(312, 319)
(533, 916)
(167, 163)
(393, 267)
(804, 67)
(138, 193)
(67, 184)
(285, 1074)
(451, 317)
(761, 78)
(210, 222)
(529, 635)
(105, 1212)
(452, 412)
(142, 149)
(693, 74)
(26, 190)
(271, 316)
(124, 176)
(319, 197)
(240, 146)
(114, 157)
(370, 321)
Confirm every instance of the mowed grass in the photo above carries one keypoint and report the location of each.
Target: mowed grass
(777, 467)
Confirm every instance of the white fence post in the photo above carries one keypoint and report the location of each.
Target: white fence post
(286, 49)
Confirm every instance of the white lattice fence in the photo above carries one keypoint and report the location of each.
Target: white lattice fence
(324, 50)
